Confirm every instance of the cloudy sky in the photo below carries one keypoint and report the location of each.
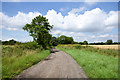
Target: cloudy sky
(91, 21)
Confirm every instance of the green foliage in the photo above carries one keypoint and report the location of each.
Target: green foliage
(109, 41)
(94, 64)
(98, 43)
(19, 49)
(30, 45)
(0, 42)
(54, 41)
(65, 40)
(39, 29)
(75, 42)
(85, 43)
(10, 42)
(81, 43)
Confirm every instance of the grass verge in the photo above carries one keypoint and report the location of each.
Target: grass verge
(95, 64)
(13, 65)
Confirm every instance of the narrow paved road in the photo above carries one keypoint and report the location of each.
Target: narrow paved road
(56, 65)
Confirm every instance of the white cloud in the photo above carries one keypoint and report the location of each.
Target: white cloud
(11, 39)
(97, 38)
(80, 37)
(112, 19)
(95, 20)
(55, 19)
(74, 24)
(105, 35)
(67, 33)
(18, 21)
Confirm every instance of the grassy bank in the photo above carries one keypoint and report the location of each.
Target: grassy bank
(96, 64)
(15, 59)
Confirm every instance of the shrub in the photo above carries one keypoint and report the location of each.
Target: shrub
(19, 50)
(30, 45)
(80, 47)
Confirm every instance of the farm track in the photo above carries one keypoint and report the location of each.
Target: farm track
(56, 65)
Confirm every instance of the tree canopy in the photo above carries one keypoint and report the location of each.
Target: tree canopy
(54, 41)
(109, 41)
(39, 29)
(10, 42)
(65, 40)
(85, 43)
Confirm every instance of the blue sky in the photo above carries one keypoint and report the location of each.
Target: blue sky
(68, 18)
(12, 8)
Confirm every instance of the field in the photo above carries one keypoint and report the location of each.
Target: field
(97, 63)
(15, 59)
(105, 46)
(99, 46)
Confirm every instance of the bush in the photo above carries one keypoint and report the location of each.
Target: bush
(80, 47)
(30, 45)
(19, 50)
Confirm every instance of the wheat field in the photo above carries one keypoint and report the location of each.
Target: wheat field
(106, 46)
(115, 47)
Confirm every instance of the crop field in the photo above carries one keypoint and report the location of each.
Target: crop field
(106, 46)
(96, 62)
(115, 47)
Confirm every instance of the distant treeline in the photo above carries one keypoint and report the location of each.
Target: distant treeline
(62, 40)
(108, 42)
(54, 42)
(103, 43)
(69, 40)
(10, 42)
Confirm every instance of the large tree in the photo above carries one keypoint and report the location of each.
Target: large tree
(109, 41)
(85, 43)
(65, 40)
(39, 29)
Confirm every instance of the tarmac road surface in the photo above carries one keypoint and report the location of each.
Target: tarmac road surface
(57, 65)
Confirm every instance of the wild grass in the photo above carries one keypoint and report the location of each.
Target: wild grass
(110, 52)
(16, 59)
(94, 63)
